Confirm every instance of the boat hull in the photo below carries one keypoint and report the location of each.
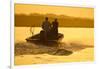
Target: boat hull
(36, 39)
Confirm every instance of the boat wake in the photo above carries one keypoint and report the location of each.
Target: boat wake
(60, 49)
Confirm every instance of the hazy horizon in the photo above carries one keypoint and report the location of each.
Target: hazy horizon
(79, 12)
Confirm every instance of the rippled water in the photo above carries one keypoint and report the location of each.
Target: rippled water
(76, 35)
(77, 45)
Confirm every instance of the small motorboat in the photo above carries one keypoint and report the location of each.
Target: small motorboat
(36, 38)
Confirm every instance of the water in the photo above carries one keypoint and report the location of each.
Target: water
(80, 41)
(76, 35)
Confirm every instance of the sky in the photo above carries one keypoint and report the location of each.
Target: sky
(58, 10)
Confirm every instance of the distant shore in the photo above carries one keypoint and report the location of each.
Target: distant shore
(35, 20)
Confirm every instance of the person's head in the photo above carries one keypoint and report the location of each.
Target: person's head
(46, 18)
(55, 19)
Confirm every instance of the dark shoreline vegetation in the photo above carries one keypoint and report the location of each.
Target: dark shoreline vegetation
(35, 20)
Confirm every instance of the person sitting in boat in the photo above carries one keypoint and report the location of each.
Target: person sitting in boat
(46, 26)
(55, 27)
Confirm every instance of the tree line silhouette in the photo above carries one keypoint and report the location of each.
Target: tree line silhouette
(22, 20)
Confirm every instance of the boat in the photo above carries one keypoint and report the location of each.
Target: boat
(36, 38)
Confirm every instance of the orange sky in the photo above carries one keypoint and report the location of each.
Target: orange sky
(42, 9)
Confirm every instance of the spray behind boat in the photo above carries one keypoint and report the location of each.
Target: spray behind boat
(32, 28)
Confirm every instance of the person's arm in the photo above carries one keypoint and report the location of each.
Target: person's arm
(43, 25)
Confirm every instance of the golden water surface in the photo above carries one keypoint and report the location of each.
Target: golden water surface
(79, 36)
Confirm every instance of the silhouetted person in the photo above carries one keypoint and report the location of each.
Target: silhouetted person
(55, 27)
(46, 26)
